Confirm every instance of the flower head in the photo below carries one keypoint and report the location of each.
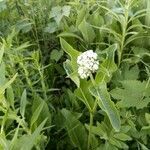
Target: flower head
(87, 63)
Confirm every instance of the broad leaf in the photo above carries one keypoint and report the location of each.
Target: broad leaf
(84, 95)
(87, 31)
(133, 94)
(108, 66)
(101, 93)
(26, 142)
(75, 129)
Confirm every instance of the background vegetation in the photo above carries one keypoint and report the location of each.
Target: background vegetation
(43, 102)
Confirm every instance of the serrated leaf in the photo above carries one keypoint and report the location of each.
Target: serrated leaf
(133, 94)
(130, 73)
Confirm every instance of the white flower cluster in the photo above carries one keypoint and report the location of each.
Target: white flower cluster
(87, 63)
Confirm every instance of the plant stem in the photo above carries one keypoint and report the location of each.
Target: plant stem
(90, 129)
(124, 28)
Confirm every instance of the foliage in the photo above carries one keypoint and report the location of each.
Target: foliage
(44, 104)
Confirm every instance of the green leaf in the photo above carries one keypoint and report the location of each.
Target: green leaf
(10, 96)
(66, 10)
(73, 75)
(87, 31)
(6, 85)
(3, 5)
(81, 15)
(118, 143)
(4, 143)
(99, 130)
(122, 137)
(24, 25)
(69, 34)
(51, 27)
(56, 55)
(108, 66)
(107, 105)
(133, 94)
(59, 12)
(130, 73)
(84, 95)
(36, 114)
(71, 52)
(1, 52)
(45, 112)
(2, 74)
(71, 65)
(75, 129)
(23, 103)
(26, 142)
(147, 117)
(143, 147)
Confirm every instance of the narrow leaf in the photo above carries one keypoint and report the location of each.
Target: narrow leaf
(23, 103)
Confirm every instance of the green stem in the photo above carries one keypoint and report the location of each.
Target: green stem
(91, 115)
(92, 79)
(124, 29)
(43, 84)
(90, 129)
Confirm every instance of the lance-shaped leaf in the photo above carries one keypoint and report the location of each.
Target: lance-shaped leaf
(71, 65)
(23, 103)
(101, 93)
(5, 86)
(1, 53)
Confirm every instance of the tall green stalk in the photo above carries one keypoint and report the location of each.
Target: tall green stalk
(124, 28)
(90, 130)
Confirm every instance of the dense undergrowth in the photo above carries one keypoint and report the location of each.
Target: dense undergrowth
(44, 104)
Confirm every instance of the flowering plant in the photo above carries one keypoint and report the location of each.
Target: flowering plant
(92, 92)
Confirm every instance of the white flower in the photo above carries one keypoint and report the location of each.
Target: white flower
(87, 63)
